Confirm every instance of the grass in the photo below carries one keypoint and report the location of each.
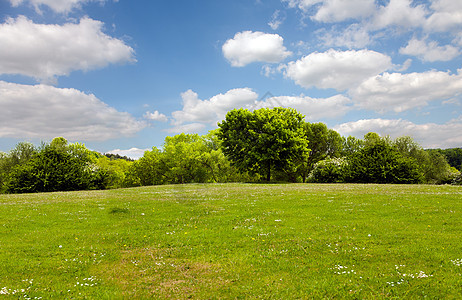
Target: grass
(234, 241)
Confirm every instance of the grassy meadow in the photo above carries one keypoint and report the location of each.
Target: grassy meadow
(201, 241)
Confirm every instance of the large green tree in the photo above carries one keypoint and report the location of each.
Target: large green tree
(264, 140)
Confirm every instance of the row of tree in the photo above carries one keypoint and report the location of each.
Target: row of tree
(279, 140)
(266, 144)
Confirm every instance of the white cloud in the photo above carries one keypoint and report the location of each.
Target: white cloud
(340, 70)
(276, 20)
(353, 37)
(133, 153)
(429, 135)
(304, 5)
(42, 111)
(400, 13)
(155, 116)
(341, 10)
(198, 114)
(213, 110)
(187, 128)
(59, 6)
(45, 51)
(247, 47)
(430, 51)
(447, 15)
(399, 92)
(314, 109)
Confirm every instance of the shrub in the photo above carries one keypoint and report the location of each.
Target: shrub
(331, 170)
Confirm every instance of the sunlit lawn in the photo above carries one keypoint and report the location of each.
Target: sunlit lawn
(234, 241)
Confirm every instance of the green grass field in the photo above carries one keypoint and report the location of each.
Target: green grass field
(274, 241)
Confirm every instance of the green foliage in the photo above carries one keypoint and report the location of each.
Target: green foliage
(432, 164)
(264, 140)
(457, 179)
(115, 170)
(148, 170)
(112, 156)
(50, 170)
(58, 166)
(330, 170)
(185, 158)
(20, 155)
(324, 143)
(248, 146)
(380, 162)
(453, 156)
(352, 145)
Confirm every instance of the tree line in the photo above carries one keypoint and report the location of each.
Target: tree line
(263, 145)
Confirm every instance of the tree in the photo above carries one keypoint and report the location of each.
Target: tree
(453, 156)
(433, 164)
(380, 162)
(185, 158)
(148, 170)
(58, 166)
(323, 143)
(352, 145)
(264, 140)
(50, 170)
(115, 168)
(20, 155)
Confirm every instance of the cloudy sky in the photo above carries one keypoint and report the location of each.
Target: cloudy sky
(121, 75)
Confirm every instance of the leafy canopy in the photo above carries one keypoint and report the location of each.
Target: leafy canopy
(264, 140)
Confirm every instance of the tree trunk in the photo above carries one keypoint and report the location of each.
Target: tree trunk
(268, 174)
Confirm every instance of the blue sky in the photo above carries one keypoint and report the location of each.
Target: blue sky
(122, 75)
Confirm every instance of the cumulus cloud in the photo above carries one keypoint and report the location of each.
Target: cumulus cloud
(429, 135)
(430, 51)
(400, 13)
(354, 36)
(247, 47)
(187, 128)
(42, 111)
(59, 6)
(314, 109)
(399, 92)
(341, 10)
(198, 114)
(45, 51)
(155, 116)
(447, 15)
(214, 109)
(339, 70)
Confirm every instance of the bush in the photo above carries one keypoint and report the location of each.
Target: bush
(49, 171)
(331, 170)
(380, 162)
(457, 180)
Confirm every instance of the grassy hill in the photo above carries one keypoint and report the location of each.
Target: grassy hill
(234, 241)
